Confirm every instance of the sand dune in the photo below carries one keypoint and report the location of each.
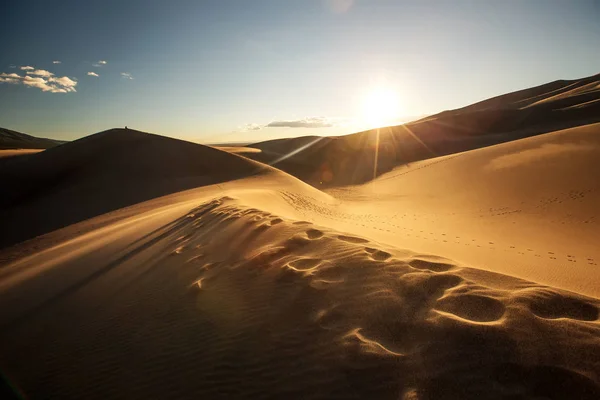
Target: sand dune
(97, 174)
(527, 208)
(296, 310)
(17, 152)
(16, 140)
(237, 149)
(345, 160)
(167, 269)
(547, 93)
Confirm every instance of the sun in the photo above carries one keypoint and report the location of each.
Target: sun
(380, 107)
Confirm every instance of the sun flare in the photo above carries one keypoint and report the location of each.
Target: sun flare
(380, 107)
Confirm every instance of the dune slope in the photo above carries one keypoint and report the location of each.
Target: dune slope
(101, 173)
(233, 301)
(16, 140)
(527, 208)
(345, 160)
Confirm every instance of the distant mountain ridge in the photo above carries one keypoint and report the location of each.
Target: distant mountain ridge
(335, 161)
(16, 140)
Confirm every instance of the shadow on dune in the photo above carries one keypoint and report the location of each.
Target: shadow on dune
(358, 158)
(104, 172)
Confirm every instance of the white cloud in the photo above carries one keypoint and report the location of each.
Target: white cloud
(308, 122)
(36, 82)
(65, 82)
(43, 80)
(27, 68)
(40, 72)
(100, 63)
(126, 75)
(56, 62)
(12, 66)
(92, 74)
(250, 127)
(9, 78)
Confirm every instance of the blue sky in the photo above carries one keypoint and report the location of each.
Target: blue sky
(224, 70)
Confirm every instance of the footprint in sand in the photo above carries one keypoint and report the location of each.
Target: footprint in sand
(352, 239)
(550, 305)
(305, 265)
(377, 255)
(472, 307)
(301, 223)
(430, 265)
(314, 234)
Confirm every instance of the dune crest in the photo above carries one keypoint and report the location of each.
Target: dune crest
(105, 172)
(360, 157)
(10, 139)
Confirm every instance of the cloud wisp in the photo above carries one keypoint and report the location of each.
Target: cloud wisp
(56, 62)
(93, 74)
(126, 75)
(40, 79)
(308, 122)
(100, 63)
(250, 127)
(40, 72)
(9, 78)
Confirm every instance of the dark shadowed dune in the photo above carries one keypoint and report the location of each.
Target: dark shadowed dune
(101, 173)
(346, 160)
(17, 140)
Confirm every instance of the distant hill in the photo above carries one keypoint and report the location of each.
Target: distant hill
(17, 140)
(104, 172)
(344, 160)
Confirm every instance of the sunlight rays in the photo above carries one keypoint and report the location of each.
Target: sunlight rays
(298, 150)
(376, 154)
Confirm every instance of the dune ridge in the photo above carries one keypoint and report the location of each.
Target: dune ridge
(10, 139)
(96, 174)
(526, 208)
(360, 157)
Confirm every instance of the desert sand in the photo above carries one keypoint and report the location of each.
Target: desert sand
(17, 152)
(138, 266)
